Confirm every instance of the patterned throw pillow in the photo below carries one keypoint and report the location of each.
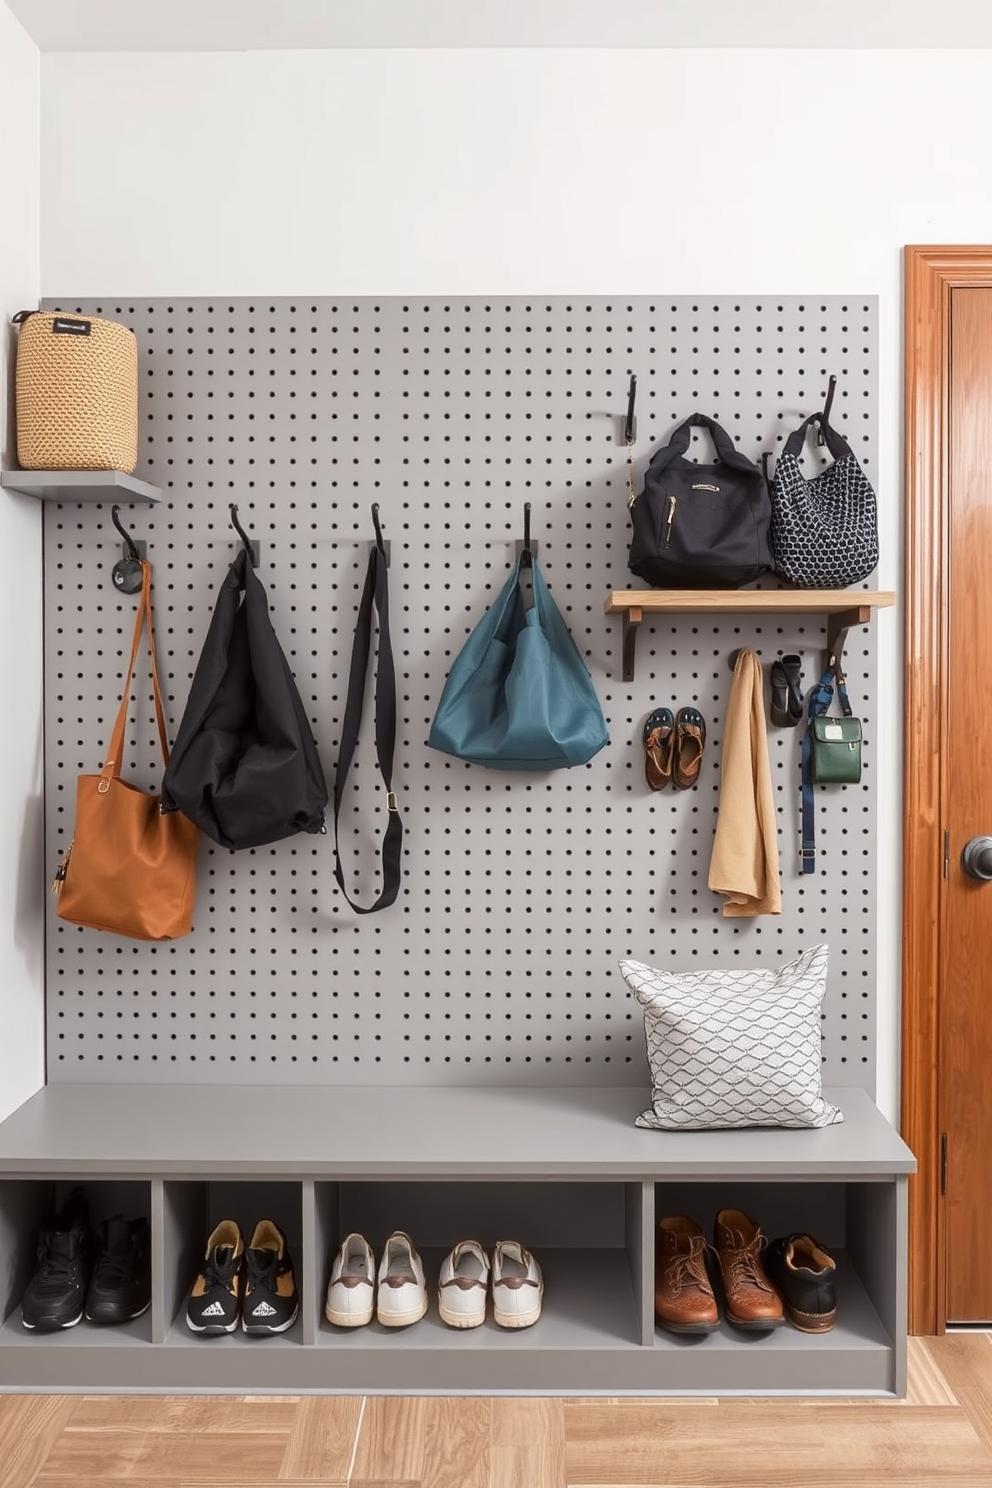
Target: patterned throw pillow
(734, 1048)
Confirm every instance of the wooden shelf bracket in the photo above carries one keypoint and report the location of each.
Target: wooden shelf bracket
(837, 627)
(843, 609)
(631, 620)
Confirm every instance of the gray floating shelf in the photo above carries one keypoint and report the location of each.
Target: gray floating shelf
(79, 485)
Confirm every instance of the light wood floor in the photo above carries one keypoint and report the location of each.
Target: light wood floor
(942, 1433)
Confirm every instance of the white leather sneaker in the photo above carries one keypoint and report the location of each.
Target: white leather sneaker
(401, 1294)
(518, 1286)
(351, 1289)
(463, 1284)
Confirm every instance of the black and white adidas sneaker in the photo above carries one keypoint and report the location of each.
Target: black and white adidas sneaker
(214, 1301)
(271, 1300)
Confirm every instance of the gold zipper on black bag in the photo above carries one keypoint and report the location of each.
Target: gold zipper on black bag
(672, 504)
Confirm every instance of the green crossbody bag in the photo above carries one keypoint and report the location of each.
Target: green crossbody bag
(836, 751)
(831, 753)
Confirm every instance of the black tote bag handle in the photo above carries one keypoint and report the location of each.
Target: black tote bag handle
(728, 453)
(836, 443)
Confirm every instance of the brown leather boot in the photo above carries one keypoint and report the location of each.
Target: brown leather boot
(683, 1298)
(752, 1301)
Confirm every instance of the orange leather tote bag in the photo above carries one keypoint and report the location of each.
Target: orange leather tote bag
(129, 869)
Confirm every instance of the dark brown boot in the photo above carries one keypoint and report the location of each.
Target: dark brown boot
(683, 1298)
(752, 1301)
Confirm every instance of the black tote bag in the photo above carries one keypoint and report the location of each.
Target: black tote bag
(245, 766)
(700, 526)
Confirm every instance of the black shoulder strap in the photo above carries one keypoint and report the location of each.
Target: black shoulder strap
(376, 592)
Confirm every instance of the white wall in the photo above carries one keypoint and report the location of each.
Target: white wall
(442, 172)
(22, 900)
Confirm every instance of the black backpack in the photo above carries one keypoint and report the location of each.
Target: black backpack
(245, 766)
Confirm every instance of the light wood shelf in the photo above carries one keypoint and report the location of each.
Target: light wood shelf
(843, 608)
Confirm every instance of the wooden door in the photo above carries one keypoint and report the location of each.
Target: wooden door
(965, 1078)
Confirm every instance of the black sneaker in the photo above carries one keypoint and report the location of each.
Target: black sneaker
(55, 1295)
(121, 1285)
(215, 1296)
(271, 1301)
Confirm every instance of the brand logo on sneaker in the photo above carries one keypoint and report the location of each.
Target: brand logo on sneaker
(214, 1310)
(264, 1310)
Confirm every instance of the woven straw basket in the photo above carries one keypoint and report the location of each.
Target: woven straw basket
(77, 393)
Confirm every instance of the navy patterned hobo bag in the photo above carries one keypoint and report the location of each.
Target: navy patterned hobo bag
(824, 530)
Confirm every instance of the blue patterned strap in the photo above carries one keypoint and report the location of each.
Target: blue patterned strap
(819, 701)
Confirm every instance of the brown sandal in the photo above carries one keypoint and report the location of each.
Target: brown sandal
(690, 741)
(659, 741)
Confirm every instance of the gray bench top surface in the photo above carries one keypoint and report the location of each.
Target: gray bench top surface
(399, 1131)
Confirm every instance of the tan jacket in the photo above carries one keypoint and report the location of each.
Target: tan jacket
(744, 864)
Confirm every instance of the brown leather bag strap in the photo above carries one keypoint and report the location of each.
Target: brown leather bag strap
(114, 761)
(159, 710)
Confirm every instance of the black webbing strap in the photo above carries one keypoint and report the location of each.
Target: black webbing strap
(376, 592)
(819, 701)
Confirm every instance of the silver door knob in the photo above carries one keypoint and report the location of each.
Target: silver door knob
(976, 859)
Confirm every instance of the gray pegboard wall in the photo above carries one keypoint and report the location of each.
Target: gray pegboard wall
(521, 892)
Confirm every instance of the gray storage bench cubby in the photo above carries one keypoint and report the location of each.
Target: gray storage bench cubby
(562, 1169)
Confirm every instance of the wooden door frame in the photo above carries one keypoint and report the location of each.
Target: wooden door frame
(931, 274)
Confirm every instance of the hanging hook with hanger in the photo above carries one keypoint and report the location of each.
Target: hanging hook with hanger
(825, 415)
(251, 548)
(126, 572)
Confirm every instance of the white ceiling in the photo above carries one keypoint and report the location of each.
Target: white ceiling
(247, 25)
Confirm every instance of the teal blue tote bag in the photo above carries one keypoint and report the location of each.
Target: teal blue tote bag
(518, 696)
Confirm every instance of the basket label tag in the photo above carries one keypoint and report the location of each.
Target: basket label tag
(63, 327)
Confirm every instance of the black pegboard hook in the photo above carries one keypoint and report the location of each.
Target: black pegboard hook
(249, 546)
(381, 544)
(825, 415)
(524, 548)
(630, 426)
(126, 572)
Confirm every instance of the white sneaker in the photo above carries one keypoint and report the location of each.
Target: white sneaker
(518, 1286)
(351, 1289)
(401, 1294)
(464, 1281)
